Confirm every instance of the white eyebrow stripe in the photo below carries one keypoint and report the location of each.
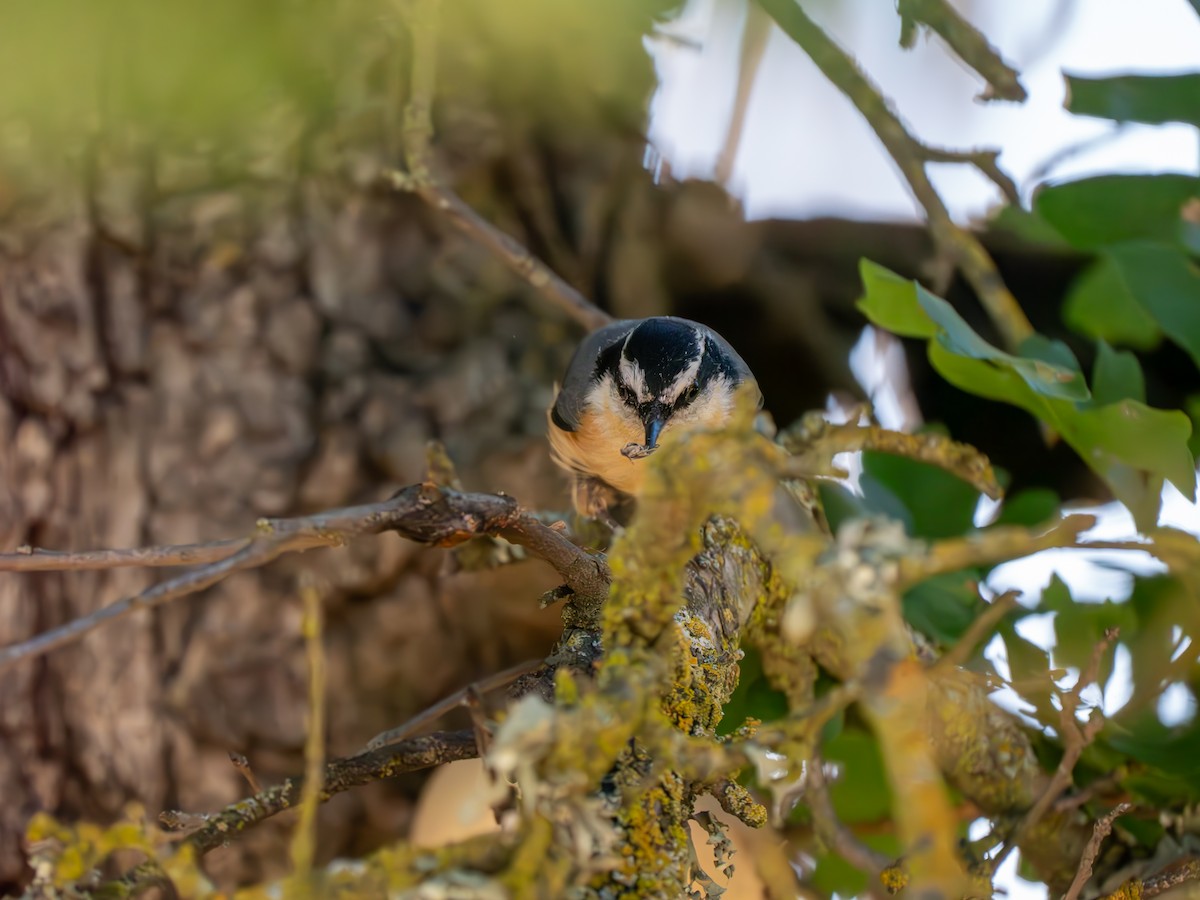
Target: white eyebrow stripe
(634, 378)
(687, 377)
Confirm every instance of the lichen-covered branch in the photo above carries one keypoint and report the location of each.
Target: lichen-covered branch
(814, 442)
(912, 157)
(337, 776)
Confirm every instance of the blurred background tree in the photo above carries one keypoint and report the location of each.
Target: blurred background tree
(213, 309)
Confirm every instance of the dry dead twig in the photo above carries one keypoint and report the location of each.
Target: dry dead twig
(1103, 827)
(423, 513)
(446, 704)
(420, 180)
(834, 832)
(1075, 740)
(35, 559)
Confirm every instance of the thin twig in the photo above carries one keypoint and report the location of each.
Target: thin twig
(755, 32)
(967, 42)
(304, 840)
(242, 764)
(511, 252)
(1109, 784)
(423, 513)
(983, 625)
(1187, 871)
(419, 179)
(1183, 872)
(259, 553)
(1075, 740)
(1103, 827)
(338, 775)
(986, 161)
(831, 829)
(35, 559)
(911, 156)
(446, 704)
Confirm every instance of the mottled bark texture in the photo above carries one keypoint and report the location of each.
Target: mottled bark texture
(245, 354)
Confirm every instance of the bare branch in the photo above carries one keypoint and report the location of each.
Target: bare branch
(35, 559)
(242, 764)
(446, 704)
(978, 630)
(419, 178)
(258, 553)
(1075, 740)
(967, 42)
(831, 829)
(1092, 850)
(912, 157)
(422, 512)
(339, 775)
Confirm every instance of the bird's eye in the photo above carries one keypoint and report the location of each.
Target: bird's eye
(688, 395)
(626, 394)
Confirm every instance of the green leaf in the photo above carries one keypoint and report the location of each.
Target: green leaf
(1133, 434)
(862, 792)
(1027, 226)
(1045, 377)
(1167, 285)
(938, 504)
(1191, 406)
(1030, 507)
(842, 504)
(1130, 445)
(1153, 99)
(1117, 376)
(1175, 751)
(1163, 606)
(943, 607)
(753, 697)
(1080, 627)
(1101, 305)
(1030, 667)
(1161, 789)
(834, 875)
(891, 303)
(1094, 212)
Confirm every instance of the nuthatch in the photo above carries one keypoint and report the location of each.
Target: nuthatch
(626, 387)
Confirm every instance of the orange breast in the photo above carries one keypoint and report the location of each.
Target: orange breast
(595, 449)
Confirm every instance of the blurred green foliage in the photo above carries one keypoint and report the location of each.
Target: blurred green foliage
(241, 78)
(1130, 445)
(1153, 99)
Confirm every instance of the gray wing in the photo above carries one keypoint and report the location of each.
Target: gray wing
(568, 405)
(743, 370)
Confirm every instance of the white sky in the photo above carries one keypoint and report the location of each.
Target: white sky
(806, 152)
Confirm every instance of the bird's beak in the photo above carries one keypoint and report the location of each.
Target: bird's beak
(654, 421)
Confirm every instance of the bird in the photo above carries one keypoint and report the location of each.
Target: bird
(628, 386)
